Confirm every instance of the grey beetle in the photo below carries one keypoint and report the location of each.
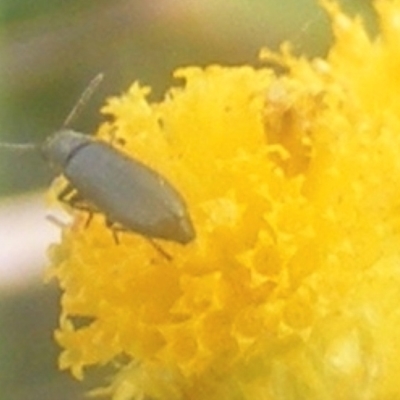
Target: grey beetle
(132, 196)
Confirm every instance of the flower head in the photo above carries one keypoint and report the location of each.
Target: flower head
(290, 288)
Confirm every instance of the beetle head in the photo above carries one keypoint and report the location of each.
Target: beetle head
(62, 145)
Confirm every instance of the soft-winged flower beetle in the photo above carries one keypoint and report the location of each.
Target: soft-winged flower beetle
(132, 196)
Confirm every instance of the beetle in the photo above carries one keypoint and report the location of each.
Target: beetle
(132, 196)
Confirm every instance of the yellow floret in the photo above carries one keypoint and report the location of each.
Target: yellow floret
(291, 287)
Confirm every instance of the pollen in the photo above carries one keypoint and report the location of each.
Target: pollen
(290, 289)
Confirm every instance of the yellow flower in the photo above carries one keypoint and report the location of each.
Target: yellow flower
(291, 288)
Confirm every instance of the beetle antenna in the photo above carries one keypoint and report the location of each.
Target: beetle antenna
(83, 99)
(24, 147)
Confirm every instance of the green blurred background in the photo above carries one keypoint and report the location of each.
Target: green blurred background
(49, 51)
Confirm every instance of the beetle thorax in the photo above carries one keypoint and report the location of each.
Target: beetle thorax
(61, 146)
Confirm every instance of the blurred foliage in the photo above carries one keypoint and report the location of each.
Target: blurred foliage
(51, 50)
(28, 355)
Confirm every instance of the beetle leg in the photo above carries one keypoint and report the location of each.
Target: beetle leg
(63, 195)
(89, 219)
(115, 236)
(159, 248)
(116, 229)
(70, 196)
(56, 221)
(78, 203)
